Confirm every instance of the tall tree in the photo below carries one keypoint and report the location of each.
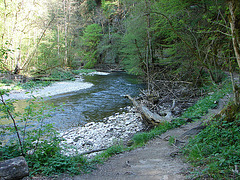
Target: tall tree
(234, 20)
(90, 41)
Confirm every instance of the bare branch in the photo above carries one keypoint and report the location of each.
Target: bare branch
(15, 125)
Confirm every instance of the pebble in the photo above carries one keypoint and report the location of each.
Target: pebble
(97, 135)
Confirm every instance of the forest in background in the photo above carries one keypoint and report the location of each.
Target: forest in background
(190, 39)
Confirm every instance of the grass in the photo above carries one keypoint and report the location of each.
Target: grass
(208, 102)
(216, 150)
(113, 150)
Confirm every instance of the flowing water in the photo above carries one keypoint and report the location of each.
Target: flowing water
(103, 99)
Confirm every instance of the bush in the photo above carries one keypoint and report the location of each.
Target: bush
(60, 74)
(37, 141)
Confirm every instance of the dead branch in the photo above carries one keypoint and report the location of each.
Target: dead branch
(174, 81)
(151, 118)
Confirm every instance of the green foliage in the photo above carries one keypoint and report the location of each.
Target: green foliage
(6, 82)
(50, 52)
(216, 149)
(171, 140)
(109, 8)
(90, 40)
(113, 150)
(91, 5)
(133, 43)
(5, 52)
(40, 141)
(50, 160)
(109, 47)
(141, 138)
(61, 74)
(209, 102)
(30, 85)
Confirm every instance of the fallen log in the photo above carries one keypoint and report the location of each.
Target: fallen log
(14, 169)
(152, 119)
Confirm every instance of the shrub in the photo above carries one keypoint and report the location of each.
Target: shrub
(38, 141)
(216, 149)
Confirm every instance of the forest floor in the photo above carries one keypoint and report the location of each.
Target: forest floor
(157, 160)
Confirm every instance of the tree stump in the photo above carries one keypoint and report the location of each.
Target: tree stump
(14, 169)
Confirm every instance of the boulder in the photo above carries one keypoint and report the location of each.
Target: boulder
(14, 169)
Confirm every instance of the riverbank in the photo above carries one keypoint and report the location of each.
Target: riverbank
(101, 135)
(55, 88)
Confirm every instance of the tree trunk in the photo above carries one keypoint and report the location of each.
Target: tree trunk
(14, 169)
(149, 46)
(233, 7)
(66, 21)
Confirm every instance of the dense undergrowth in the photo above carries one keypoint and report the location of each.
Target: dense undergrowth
(216, 148)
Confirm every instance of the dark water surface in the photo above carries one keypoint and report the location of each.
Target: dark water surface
(93, 104)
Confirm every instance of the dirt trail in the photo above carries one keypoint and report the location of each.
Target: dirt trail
(155, 161)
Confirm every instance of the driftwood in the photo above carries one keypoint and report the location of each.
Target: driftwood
(14, 169)
(152, 119)
(165, 81)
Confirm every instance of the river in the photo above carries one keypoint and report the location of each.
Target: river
(93, 104)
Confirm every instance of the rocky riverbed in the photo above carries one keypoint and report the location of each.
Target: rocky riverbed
(99, 135)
